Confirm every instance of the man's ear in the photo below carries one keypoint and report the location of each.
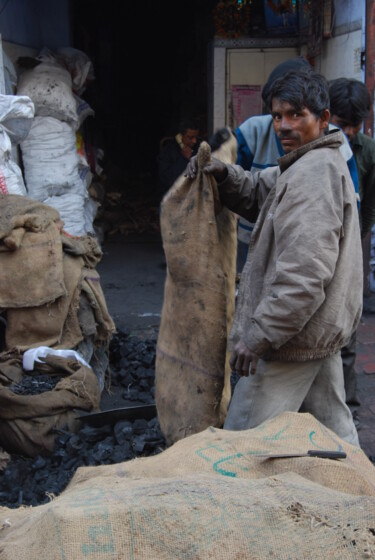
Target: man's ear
(324, 119)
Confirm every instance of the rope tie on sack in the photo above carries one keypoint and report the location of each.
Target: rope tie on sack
(204, 155)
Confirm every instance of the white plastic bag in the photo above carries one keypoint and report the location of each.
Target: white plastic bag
(34, 354)
(11, 180)
(16, 116)
(80, 67)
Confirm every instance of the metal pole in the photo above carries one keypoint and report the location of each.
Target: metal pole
(369, 122)
(370, 62)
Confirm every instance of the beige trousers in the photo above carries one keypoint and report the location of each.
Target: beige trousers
(315, 386)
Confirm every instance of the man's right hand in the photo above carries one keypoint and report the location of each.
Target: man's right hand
(215, 167)
(187, 152)
(243, 361)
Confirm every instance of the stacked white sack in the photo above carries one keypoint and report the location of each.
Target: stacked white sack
(49, 85)
(52, 167)
(51, 160)
(16, 115)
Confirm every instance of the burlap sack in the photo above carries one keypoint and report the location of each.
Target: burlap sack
(22, 212)
(27, 422)
(209, 496)
(31, 271)
(52, 324)
(85, 246)
(192, 375)
(57, 324)
(91, 288)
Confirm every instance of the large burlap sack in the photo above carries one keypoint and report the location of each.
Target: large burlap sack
(192, 375)
(31, 270)
(28, 422)
(54, 324)
(209, 496)
(21, 212)
(57, 324)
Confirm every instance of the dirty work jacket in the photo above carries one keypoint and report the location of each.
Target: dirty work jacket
(259, 148)
(300, 295)
(364, 152)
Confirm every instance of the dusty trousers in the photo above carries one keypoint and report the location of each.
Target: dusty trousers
(348, 356)
(316, 386)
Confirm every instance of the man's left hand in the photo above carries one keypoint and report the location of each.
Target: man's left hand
(243, 361)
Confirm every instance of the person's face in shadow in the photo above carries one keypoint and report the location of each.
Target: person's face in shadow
(190, 138)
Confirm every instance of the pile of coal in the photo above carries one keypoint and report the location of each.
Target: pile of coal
(34, 481)
(35, 384)
(132, 362)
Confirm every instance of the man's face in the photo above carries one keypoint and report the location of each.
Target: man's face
(295, 128)
(190, 138)
(350, 129)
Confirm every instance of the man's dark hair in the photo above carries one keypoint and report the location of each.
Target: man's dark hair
(187, 123)
(280, 70)
(350, 100)
(302, 88)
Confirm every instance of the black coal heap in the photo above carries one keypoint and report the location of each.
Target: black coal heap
(34, 481)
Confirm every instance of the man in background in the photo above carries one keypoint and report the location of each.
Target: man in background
(175, 154)
(350, 106)
(259, 148)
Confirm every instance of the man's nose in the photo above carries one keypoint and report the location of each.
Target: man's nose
(285, 124)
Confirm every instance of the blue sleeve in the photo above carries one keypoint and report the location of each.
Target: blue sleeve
(353, 172)
(352, 166)
(244, 156)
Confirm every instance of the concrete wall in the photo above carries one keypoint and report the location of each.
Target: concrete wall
(36, 23)
(341, 55)
(230, 63)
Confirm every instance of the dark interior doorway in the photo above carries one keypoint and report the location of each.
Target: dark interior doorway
(150, 63)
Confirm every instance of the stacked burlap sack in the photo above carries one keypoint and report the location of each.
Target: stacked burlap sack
(211, 495)
(51, 297)
(55, 173)
(192, 374)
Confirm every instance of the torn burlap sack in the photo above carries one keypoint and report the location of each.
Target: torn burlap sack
(85, 246)
(192, 375)
(53, 324)
(31, 271)
(58, 324)
(91, 288)
(210, 496)
(28, 422)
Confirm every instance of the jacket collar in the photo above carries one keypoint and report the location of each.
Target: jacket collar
(357, 140)
(332, 139)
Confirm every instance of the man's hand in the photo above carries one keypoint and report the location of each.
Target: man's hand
(215, 167)
(241, 359)
(187, 152)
